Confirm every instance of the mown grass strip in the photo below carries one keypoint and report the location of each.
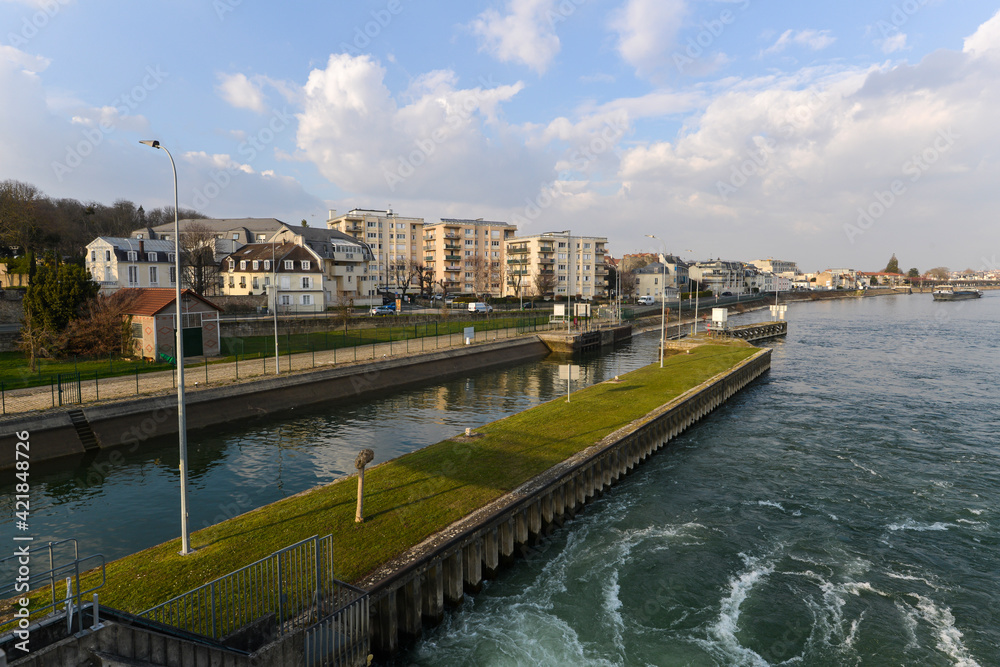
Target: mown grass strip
(411, 497)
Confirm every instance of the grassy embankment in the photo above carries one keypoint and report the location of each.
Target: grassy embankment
(418, 494)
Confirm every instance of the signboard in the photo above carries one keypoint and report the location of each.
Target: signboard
(559, 310)
(469, 333)
(569, 372)
(581, 309)
(778, 312)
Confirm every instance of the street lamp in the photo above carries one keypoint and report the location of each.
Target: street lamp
(179, 349)
(663, 300)
(274, 309)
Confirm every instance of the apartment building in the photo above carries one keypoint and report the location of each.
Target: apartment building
(776, 266)
(720, 276)
(557, 264)
(294, 271)
(116, 262)
(396, 243)
(655, 278)
(347, 264)
(467, 256)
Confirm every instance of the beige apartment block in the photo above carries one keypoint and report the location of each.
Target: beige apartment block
(557, 264)
(396, 242)
(467, 256)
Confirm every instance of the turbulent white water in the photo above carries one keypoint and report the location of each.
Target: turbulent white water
(841, 511)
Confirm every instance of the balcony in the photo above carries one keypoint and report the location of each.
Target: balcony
(453, 258)
(452, 269)
(516, 251)
(546, 261)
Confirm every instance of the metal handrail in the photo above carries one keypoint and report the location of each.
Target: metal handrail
(55, 574)
(294, 584)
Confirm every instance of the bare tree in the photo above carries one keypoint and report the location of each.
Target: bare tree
(426, 278)
(18, 215)
(480, 274)
(545, 282)
(405, 273)
(198, 265)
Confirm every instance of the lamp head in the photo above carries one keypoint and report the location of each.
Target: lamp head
(152, 143)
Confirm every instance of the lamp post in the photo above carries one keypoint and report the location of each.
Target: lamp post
(274, 308)
(663, 300)
(179, 349)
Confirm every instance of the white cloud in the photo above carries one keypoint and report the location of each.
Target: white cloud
(986, 38)
(240, 92)
(816, 40)
(525, 34)
(647, 31)
(25, 61)
(894, 43)
(444, 141)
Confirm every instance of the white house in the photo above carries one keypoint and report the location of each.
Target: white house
(115, 263)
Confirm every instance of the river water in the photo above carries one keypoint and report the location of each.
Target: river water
(843, 510)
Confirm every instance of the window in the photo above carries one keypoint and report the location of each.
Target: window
(133, 276)
(107, 255)
(371, 224)
(93, 255)
(305, 265)
(232, 264)
(173, 275)
(154, 277)
(562, 267)
(562, 255)
(232, 281)
(586, 245)
(243, 282)
(586, 257)
(286, 300)
(133, 256)
(137, 330)
(262, 237)
(306, 282)
(495, 244)
(236, 236)
(470, 232)
(562, 244)
(151, 256)
(243, 265)
(289, 265)
(256, 265)
(286, 282)
(267, 265)
(267, 281)
(306, 299)
(256, 282)
(138, 236)
(469, 242)
(170, 257)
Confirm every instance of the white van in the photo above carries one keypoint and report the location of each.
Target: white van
(646, 300)
(480, 307)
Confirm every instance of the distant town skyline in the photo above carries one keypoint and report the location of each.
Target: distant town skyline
(826, 134)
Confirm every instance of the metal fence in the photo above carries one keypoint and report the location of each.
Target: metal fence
(294, 585)
(62, 566)
(343, 638)
(295, 353)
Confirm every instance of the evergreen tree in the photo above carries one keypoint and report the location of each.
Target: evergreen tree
(893, 265)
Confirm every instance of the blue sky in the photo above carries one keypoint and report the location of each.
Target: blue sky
(834, 134)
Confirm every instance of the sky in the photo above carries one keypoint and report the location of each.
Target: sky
(831, 134)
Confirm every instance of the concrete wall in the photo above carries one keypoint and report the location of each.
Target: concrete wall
(414, 590)
(130, 423)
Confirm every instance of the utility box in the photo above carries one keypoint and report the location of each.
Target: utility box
(720, 319)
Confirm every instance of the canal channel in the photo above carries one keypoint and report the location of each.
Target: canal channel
(125, 500)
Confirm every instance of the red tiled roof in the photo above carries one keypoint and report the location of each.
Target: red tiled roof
(153, 300)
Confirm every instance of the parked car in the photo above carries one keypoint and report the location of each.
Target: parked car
(527, 304)
(480, 307)
(389, 309)
(437, 297)
(646, 300)
(727, 294)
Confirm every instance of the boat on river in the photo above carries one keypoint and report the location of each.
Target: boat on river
(952, 293)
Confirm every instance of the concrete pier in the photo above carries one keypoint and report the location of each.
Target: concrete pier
(457, 560)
